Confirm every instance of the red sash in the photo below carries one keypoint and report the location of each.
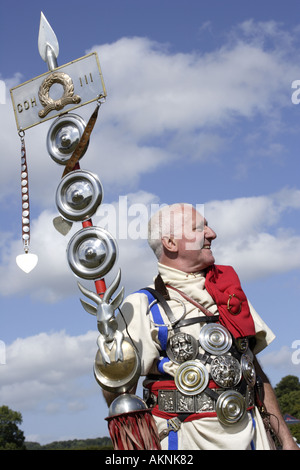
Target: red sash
(224, 286)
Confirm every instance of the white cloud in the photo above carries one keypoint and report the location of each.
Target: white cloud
(51, 277)
(161, 106)
(279, 363)
(162, 91)
(253, 236)
(44, 371)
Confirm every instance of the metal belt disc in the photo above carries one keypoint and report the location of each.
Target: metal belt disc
(248, 370)
(215, 339)
(226, 371)
(182, 347)
(191, 378)
(230, 407)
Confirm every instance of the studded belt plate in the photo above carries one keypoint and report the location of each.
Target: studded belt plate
(229, 405)
(173, 401)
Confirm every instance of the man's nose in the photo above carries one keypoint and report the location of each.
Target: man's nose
(209, 233)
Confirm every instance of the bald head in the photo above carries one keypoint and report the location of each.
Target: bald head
(180, 238)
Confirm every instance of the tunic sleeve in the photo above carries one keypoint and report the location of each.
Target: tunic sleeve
(136, 324)
(264, 336)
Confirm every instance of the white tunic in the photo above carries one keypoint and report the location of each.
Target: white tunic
(207, 432)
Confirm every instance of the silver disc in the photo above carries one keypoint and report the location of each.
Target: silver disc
(230, 407)
(63, 137)
(215, 339)
(191, 378)
(248, 370)
(91, 253)
(226, 371)
(78, 195)
(182, 347)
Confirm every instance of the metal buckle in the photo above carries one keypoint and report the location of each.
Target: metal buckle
(174, 423)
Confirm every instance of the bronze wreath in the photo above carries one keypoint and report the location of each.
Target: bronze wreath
(67, 98)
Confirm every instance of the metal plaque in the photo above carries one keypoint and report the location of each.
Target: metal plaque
(58, 91)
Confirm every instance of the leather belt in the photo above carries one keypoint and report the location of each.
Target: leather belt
(206, 403)
(172, 401)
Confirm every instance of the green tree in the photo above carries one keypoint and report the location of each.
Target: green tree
(11, 437)
(288, 395)
(289, 383)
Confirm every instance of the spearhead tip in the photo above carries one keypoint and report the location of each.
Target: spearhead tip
(47, 40)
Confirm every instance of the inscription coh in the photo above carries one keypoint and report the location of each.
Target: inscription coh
(25, 106)
(60, 90)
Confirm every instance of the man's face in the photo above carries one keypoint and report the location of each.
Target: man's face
(194, 243)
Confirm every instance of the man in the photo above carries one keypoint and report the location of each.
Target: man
(197, 336)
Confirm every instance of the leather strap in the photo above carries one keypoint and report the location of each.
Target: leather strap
(160, 298)
(160, 287)
(192, 321)
(192, 301)
(162, 295)
(78, 152)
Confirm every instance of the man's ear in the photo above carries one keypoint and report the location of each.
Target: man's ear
(169, 244)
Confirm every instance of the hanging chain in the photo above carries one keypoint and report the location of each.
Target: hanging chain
(25, 195)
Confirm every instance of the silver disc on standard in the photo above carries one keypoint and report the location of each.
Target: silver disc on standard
(91, 253)
(63, 137)
(78, 195)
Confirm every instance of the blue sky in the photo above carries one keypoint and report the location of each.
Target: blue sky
(198, 110)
